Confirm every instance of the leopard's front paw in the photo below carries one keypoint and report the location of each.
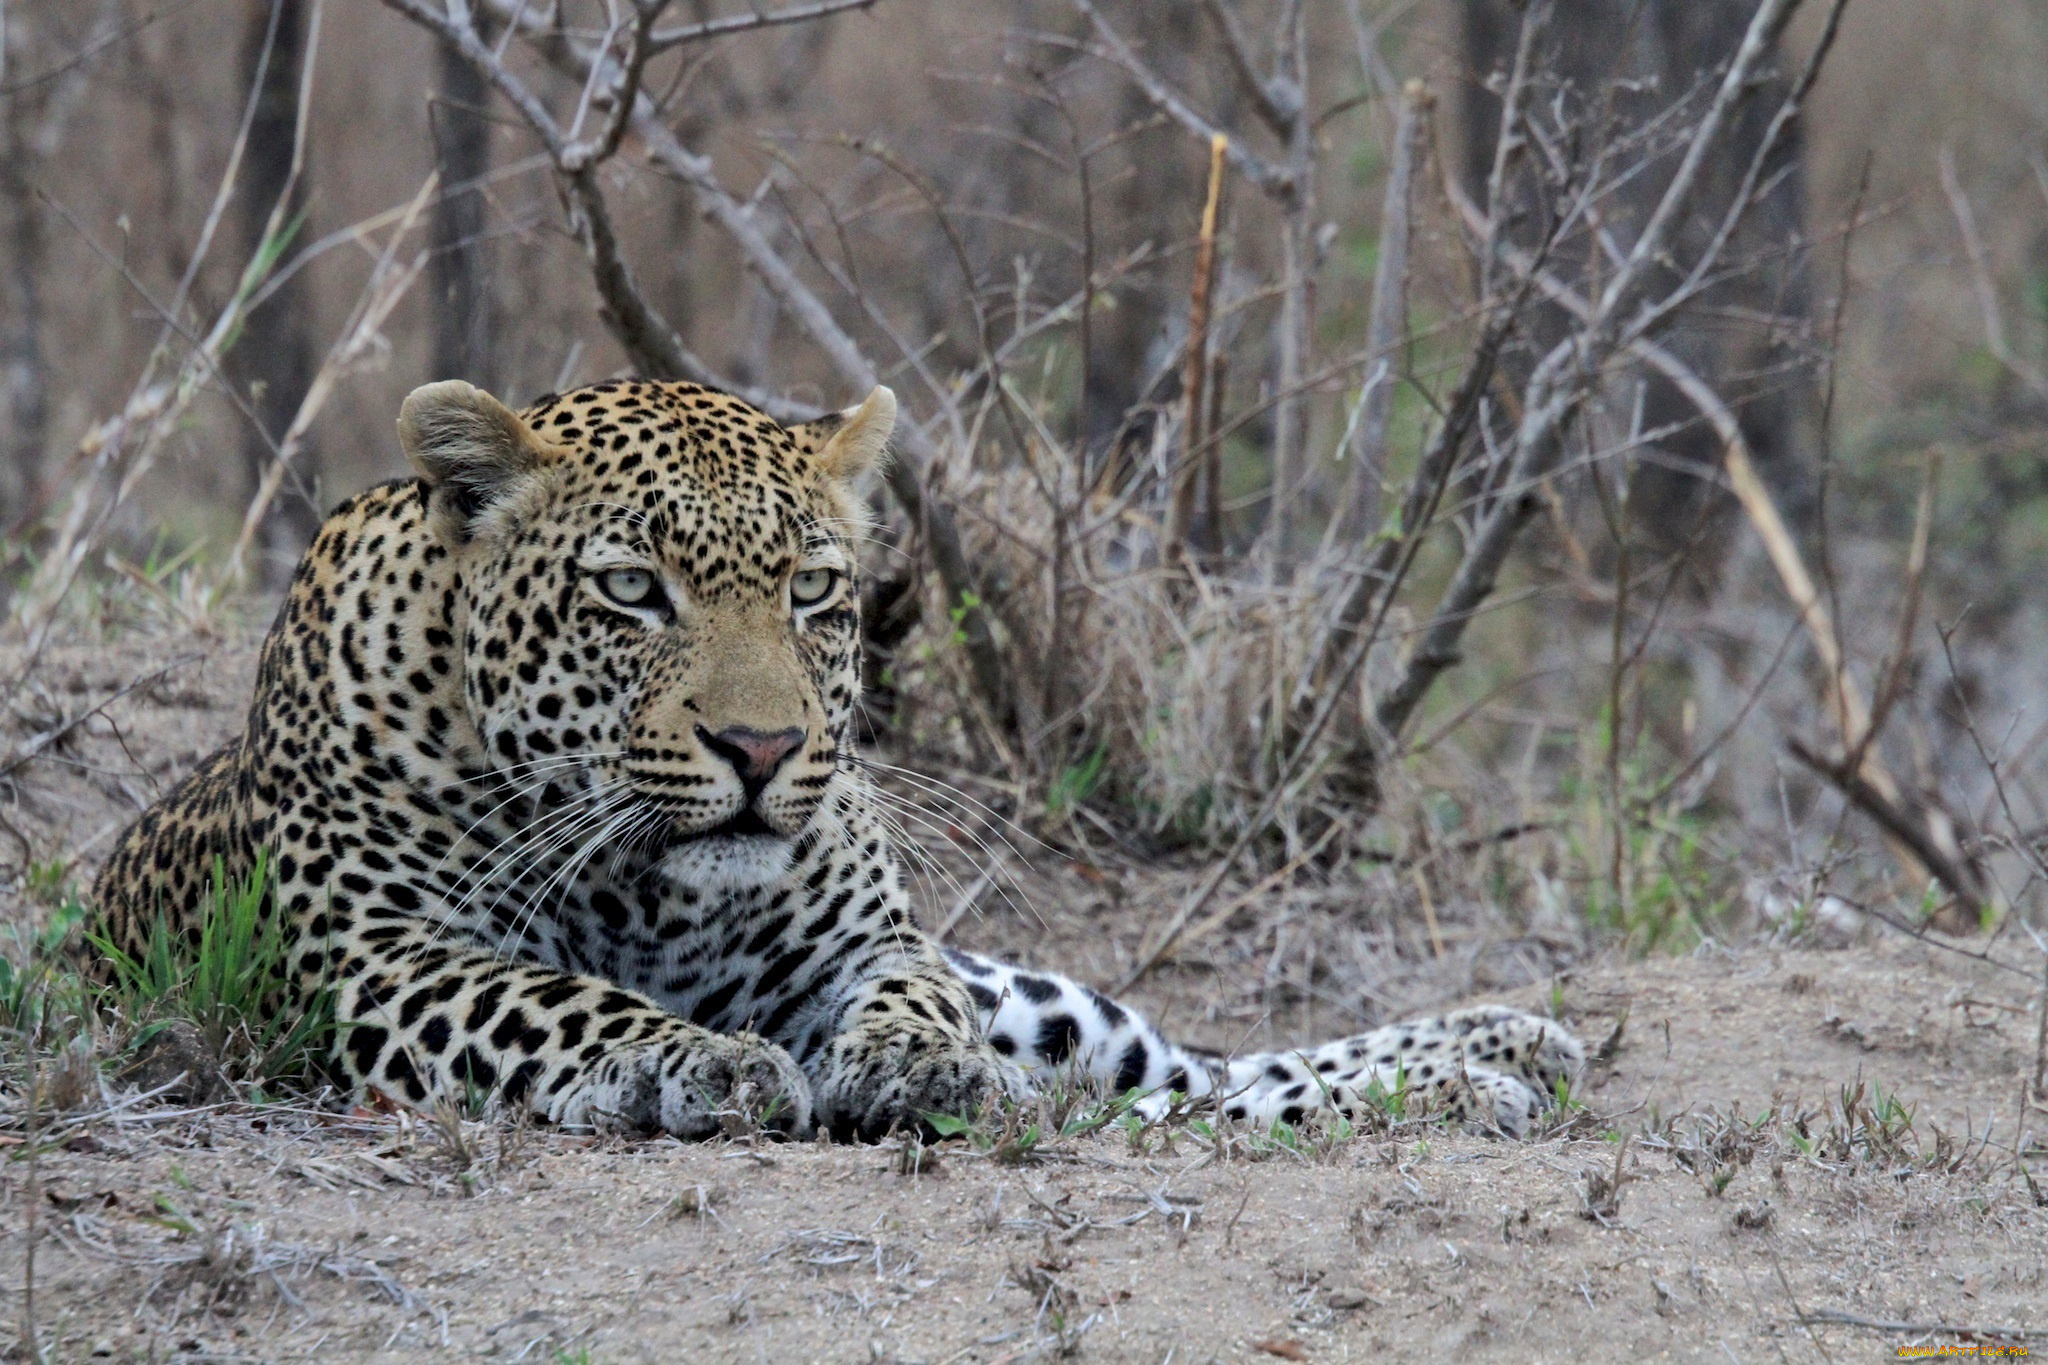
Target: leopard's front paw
(695, 1085)
(875, 1079)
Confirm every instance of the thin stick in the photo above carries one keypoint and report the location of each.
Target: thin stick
(1268, 99)
(1891, 682)
(746, 23)
(1436, 938)
(1995, 338)
(2030, 1087)
(1174, 551)
(1884, 809)
(33, 1195)
(1839, 1318)
(37, 744)
(1618, 660)
(2041, 1038)
(1509, 140)
(1178, 937)
(1212, 460)
(1798, 1312)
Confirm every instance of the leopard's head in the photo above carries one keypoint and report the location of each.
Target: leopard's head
(660, 610)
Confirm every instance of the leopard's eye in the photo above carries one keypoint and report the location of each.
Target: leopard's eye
(635, 588)
(812, 586)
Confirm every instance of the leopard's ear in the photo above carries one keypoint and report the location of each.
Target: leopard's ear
(471, 449)
(852, 443)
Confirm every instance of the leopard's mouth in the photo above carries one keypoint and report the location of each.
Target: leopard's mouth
(748, 824)
(745, 824)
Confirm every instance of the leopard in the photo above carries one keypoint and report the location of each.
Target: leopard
(550, 776)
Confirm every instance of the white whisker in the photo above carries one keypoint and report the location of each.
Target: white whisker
(997, 874)
(993, 869)
(564, 876)
(563, 836)
(535, 844)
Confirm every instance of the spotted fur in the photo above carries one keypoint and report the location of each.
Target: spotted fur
(1495, 1067)
(549, 746)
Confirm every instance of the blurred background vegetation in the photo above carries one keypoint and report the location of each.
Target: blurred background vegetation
(212, 209)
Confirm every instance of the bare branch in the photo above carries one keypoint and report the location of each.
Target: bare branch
(1959, 881)
(1552, 397)
(117, 452)
(1563, 380)
(1333, 670)
(1277, 181)
(1892, 679)
(1851, 711)
(1748, 193)
(1559, 386)
(622, 87)
(1366, 37)
(1263, 94)
(1737, 86)
(733, 217)
(1535, 19)
(94, 46)
(1855, 719)
(1995, 338)
(747, 23)
(464, 37)
(230, 175)
(387, 285)
(647, 338)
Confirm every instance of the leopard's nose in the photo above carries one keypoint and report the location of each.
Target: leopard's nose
(754, 754)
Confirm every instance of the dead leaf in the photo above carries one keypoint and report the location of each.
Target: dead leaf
(376, 1102)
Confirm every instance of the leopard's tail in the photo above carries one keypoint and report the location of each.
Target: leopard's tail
(1494, 1066)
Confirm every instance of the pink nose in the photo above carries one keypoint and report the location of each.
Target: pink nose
(754, 754)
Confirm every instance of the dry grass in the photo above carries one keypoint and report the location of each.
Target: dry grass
(1821, 1221)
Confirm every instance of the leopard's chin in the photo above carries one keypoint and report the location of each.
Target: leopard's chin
(735, 855)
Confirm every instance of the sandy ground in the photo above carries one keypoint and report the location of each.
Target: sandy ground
(241, 1233)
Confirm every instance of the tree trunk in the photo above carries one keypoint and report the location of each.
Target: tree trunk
(1130, 327)
(464, 305)
(24, 370)
(1292, 473)
(274, 356)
